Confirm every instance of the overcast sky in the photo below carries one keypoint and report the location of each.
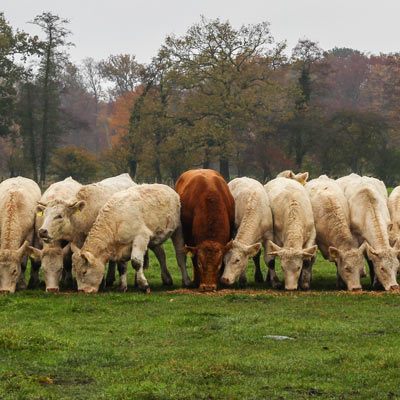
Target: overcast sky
(101, 28)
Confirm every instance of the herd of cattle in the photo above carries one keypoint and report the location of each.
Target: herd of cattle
(72, 231)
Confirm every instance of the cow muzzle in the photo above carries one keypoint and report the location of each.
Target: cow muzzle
(87, 290)
(394, 288)
(44, 235)
(4, 291)
(207, 288)
(52, 290)
(226, 281)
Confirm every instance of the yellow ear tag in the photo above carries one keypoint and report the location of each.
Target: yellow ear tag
(77, 211)
(39, 213)
(189, 253)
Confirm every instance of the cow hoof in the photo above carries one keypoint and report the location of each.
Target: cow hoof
(189, 285)
(21, 285)
(146, 289)
(275, 284)
(167, 282)
(122, 288)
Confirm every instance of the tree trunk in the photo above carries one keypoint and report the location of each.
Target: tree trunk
(132, 168)
(224, 168)
(31, 134)
(45, 124)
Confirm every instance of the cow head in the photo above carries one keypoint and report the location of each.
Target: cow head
(350, 265)
(10, 268)
(208, 256)
(88, 270)
(386, 264)
(236, 259)
(57, 220)
(52, 261)
(291, 261)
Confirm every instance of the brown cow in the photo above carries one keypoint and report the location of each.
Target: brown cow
(208, 218)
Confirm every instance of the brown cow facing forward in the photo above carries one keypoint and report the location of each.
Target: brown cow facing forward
(208, 217)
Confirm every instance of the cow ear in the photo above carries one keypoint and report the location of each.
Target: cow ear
(78, 206)
(88, 256)
(363, 248)
(190, 251)
(371, 252)
(310, 252)
(273, 249)
(253, 249)
(302, 177)
(22, 250)
(34, 253)
(40, 207)
(333, 253)
(66, 249)
(75, 248)
(228, 246)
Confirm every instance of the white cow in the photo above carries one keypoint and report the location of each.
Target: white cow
(294, 233)
(370, 221)
(18, 199)
(253, 220)
(394, 210)
(53, 258)
(130, 222)
(334, 237)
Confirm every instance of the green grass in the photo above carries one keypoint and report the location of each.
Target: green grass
(191, 346)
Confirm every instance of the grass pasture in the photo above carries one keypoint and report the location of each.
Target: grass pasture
(182, 345)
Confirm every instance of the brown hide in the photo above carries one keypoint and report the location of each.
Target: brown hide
(207, 215)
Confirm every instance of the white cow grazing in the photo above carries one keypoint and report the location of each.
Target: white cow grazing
(334, 237)
(18, 199)
(394, 210)
(301, 177)
(370, 221)
(130, 222)
(294, 233)
(53, 258)
(253, 220)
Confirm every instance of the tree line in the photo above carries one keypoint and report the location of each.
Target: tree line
(230, 98)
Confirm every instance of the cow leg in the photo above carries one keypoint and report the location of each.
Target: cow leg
(196, 273)
(146, 263)
(67, 280)
(123, 276)
(375, 284)
(179, 245)
(141, 279)
(340, 284)
(34, 280)
(165, 275)
(21, 284)
(258, 276)
(306, 275)
(242, 279)
(110, 278)
(272, 278)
